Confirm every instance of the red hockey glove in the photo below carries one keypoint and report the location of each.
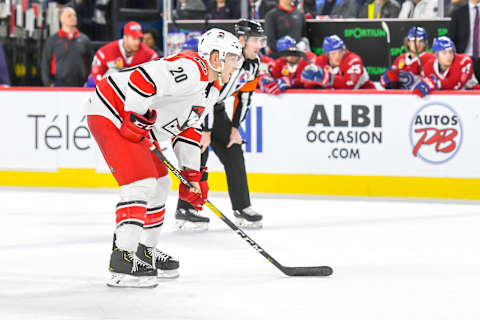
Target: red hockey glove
(390, 79)
(136, 127)
(425, 86)
(315, 75)
(269, 86)
(285, 83)
(197, 200)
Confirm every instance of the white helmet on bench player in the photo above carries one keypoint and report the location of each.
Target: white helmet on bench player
(222, 41)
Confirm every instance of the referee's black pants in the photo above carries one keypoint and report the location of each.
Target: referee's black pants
(232, 160)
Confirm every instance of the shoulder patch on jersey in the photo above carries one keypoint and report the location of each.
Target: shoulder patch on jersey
(202, 65)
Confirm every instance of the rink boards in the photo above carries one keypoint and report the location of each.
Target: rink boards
(368, 143)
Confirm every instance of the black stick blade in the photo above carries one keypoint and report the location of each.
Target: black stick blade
(321, 271)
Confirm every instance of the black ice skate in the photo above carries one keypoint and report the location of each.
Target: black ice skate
(167, 266)
(128, 271)
(248, 218)
(190, 220)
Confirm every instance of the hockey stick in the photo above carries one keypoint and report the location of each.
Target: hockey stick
(320, 271)
(417, 55)
(389, 49)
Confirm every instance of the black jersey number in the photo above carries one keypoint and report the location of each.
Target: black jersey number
(178, 75)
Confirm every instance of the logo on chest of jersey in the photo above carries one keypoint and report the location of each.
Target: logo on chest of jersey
(117, 63)
(172, 127)
(194, 116)
(202, 65)
(436, 133)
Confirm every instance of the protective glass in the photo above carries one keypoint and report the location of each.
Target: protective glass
(257, 41)
(233, 60)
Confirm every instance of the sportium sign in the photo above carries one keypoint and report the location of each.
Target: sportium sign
(436, 133)
(358, 33)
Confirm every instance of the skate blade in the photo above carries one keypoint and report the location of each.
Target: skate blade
(119, 280)
(183, 225)
(167, 274)
(245, 224)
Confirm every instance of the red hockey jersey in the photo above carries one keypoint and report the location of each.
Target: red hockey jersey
(282, 69)
(351, 74)
(459, 76)
(112, 58)
(407, 62)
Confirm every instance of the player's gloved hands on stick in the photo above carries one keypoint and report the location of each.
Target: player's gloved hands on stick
(197, 195)
(426, 86)
(136, 127)
(390, 79)
(269, 86)
(313, 74)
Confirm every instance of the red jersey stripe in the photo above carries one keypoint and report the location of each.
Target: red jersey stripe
(140, 82)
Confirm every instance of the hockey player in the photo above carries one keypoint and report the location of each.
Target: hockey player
(449, 71)
(171, 97)
(287, 69)
(338, 68)
(124, 53)
(221, 133)
(191, 45)
(407, 64)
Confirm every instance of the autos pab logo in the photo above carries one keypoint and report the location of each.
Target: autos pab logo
(436, 133)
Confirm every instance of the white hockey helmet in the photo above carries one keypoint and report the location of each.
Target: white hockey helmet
(220, 40)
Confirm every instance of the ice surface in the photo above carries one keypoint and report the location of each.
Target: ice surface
(391, 260)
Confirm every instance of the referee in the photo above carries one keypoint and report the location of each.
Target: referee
(221, 133)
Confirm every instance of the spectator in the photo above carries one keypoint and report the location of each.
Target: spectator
(347, 9)
(374, 9)
(314, 8)
(464, 31)
(287, 69)
(66, 54)
(150, 38)
(419, 9)
(124, 53)
(4, 78)
(449, 71)
(189, 9)
(406, 66)
(338, 68)
(258, 9)
(222, 9)
(191, 45)
(285, 20)
(454, 5)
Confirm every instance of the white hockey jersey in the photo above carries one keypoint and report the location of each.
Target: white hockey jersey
(176, 87)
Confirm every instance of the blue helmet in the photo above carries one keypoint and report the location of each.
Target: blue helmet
(191, 44)
(421, 33)
(442, 43)
(285, 43)
(332, 43)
